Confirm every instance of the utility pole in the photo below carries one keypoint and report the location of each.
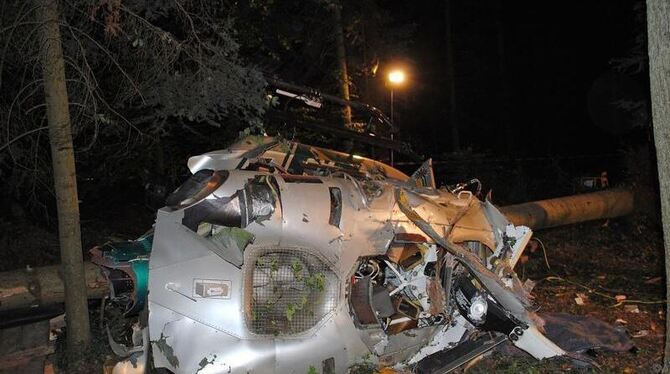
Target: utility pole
(393, 123)
(65, 176)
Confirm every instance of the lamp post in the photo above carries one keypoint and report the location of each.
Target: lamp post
(395, 79)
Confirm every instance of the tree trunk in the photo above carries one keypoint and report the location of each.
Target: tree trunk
(65, 182)
(451, 75)
(342, 61)
(43, 287)
(658, 33)
(542, 214)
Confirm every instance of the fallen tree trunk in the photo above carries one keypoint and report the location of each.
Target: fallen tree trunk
(44, 286)
(567, 210)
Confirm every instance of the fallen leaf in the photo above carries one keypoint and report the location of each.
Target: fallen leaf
(620, 298)
(653, 280)
(581, 299)
(621, 321)
(631, 309)
(641, 334)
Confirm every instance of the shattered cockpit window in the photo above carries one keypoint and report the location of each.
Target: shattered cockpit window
(260, 196)
(197, 187)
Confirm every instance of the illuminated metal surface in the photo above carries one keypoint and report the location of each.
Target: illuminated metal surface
(304, 259)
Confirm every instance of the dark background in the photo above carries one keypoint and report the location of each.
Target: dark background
(546, 93)
(523, 72)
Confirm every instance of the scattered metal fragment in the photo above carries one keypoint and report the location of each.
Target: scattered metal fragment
(580, 333)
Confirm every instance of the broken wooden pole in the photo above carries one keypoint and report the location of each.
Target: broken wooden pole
(567, 210)
(33, 287)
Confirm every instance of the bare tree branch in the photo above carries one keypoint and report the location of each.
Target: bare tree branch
(22, 135)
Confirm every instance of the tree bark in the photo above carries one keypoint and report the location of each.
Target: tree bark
(342, 61)
(658, 38)
(542, 214)
(65, 182)
(43, 286)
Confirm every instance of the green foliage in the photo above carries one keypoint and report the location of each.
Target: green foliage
(315, 282)
(296, 268)
(274, 265)
(229, 235)
(290, 311)
(279, 309)
(291, 308)
(154, 82)
(302, 50)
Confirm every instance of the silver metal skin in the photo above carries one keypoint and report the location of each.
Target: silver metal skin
(203, 305)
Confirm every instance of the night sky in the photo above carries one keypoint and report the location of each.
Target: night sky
(526, 67)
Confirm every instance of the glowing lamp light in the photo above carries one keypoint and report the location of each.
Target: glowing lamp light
(397, 76)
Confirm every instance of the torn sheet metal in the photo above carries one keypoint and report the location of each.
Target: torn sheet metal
(126, 267)
(136, 358)
(283, 257)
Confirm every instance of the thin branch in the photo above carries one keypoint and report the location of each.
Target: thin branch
(22, 135)
(11, 107)
(17, 24)
(113, 60)
(89, 19)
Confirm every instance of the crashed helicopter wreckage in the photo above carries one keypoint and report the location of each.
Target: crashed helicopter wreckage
(282, 257)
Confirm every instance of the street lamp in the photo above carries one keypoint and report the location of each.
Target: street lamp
(395, 79)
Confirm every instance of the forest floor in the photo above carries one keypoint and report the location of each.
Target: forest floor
(593, 262)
